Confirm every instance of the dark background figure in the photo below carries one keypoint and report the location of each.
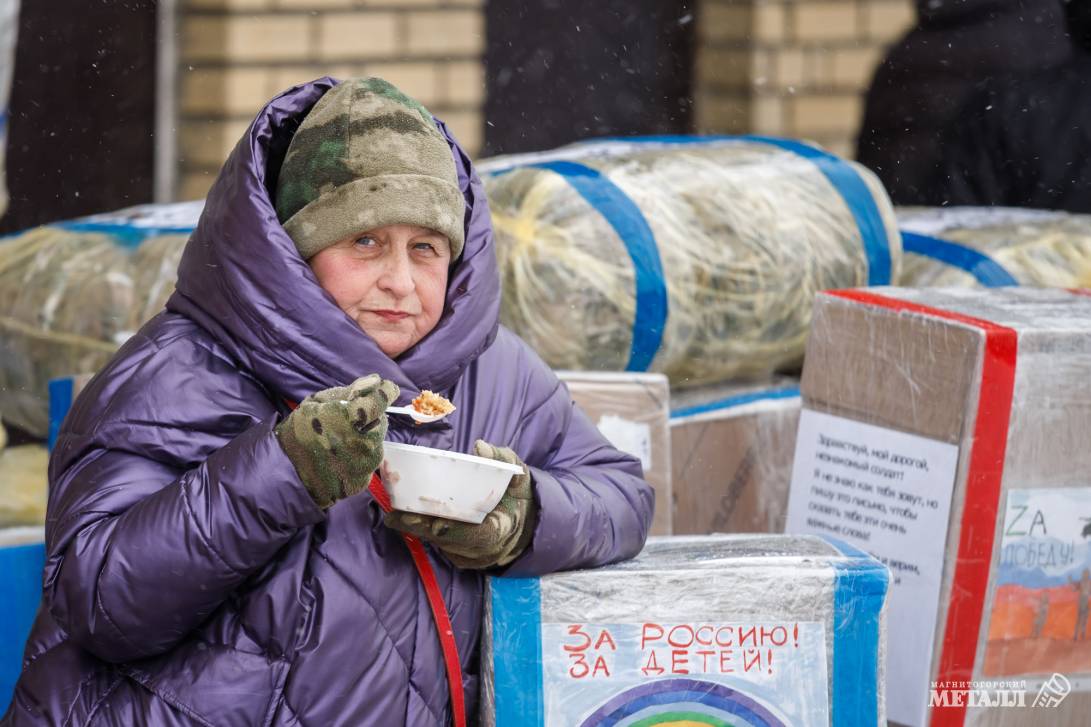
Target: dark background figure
(925, 79)
(81, 135)
(562, 70)
(1024, 140)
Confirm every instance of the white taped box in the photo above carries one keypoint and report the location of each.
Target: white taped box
(946, 431)
(632, 410)
(994, 247)
(694, 257)
(72, 292)
(714, 630)
(731, 455)
(9, 26)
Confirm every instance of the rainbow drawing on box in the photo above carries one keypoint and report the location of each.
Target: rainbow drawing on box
(682, 703)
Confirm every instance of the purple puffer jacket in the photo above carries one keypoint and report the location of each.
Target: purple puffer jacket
(190, 579)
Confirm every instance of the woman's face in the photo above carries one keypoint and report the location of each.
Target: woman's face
(391, 280)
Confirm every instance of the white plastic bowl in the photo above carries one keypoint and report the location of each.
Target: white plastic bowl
(448, 484)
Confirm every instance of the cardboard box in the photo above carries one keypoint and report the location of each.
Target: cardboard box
(632, 410)
(947, 432)
(731, 456)
(710, 630)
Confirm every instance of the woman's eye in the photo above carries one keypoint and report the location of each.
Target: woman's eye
(425, 247)
(366, 242)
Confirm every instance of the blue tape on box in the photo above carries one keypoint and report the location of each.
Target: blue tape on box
(750, 397)
(859, 593)
(517, 623)
(60, 401)
(20, 591)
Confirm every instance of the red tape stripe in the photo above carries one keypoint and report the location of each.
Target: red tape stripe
(432, 590)
(982, 502)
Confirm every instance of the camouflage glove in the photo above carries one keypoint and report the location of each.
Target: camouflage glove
(335, 437)
(500, 538)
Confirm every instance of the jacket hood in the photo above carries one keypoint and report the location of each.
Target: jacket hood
(242, 279)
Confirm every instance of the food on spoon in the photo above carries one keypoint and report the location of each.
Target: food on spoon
(432, 404)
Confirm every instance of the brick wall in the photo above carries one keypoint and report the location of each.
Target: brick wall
(792, 67)
(234, 55)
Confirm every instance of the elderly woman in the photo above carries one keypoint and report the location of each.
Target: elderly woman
(215, 555)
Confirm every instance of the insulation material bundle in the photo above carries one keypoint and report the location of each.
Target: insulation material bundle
(9, 25)
(632, 410)
(23, 485)
(731, 455)
(946, 432)
(994, 247)
(716, 630)
(71, 293)
(694, 257)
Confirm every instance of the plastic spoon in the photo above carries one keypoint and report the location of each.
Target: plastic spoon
(414, 414)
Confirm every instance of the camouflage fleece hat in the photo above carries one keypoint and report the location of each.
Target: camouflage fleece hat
(366, 156)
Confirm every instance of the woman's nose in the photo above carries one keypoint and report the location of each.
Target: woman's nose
(397, 277)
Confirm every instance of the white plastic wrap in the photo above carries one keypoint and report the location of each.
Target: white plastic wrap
(991, 546)
(752, 630)
(731, 456)
(9, 25)
(697, 260)
(1013, 247)
(73, 292)
(632, 410)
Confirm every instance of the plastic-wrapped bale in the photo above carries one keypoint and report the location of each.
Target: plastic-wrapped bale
(697, 258)
(946, 431)
(71, 293)
(715, 630)
(993, 247)
(23, 485)
(9, 25)
(632, 410)
(731, 457)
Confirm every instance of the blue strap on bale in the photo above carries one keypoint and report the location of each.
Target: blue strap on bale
(124, 235)
(985, 270)
(859, 592)
(627, 220)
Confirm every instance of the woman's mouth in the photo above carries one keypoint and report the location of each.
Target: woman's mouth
(390, 315)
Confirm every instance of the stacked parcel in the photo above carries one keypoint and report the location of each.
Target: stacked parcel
(945, 431)
(754, 630)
